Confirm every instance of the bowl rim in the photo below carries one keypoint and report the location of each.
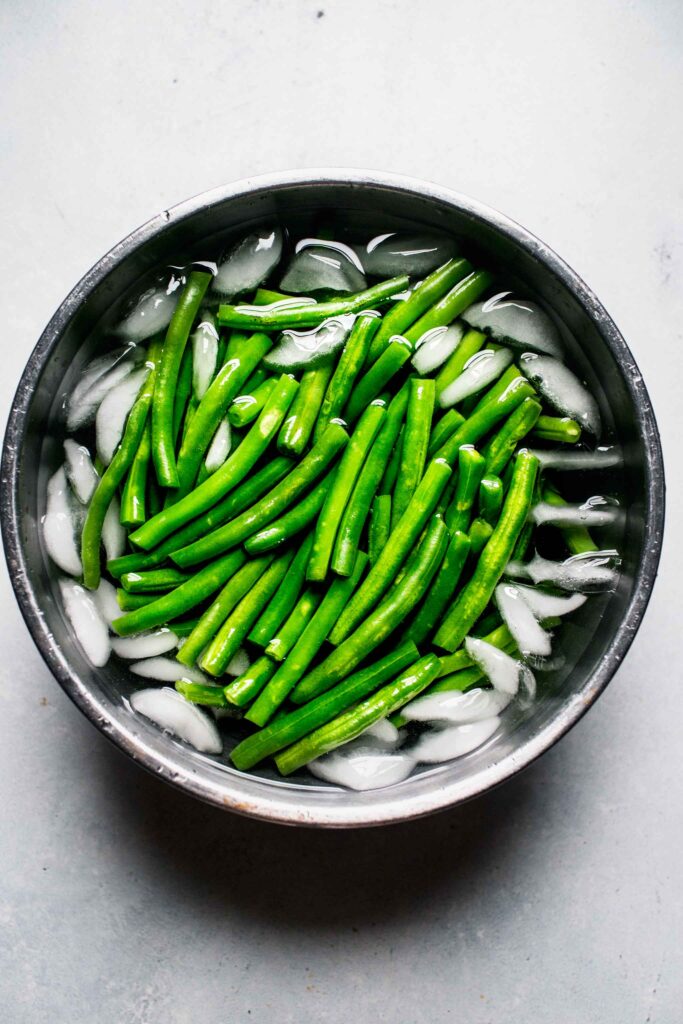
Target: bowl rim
(397, 804)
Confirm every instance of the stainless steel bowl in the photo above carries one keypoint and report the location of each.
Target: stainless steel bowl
(594, 649)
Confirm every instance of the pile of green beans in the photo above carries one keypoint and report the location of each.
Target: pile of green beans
(355, 533)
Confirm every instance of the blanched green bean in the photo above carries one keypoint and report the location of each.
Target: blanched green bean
(247, 406)
(307, 646)
(415, 443)
(311, 467)
(215, 615)
(498, 403)
(182, 599)
(383, 620)
(305, 608)
(225, 479)
(442, 589)
(284, 600)
(380, 526)
(356, 720)
(290, 314)
(499, 450)
(561, 429)
(131, 602)
(225, 386)
(396, 550)
(109, 482)
(350, 364)
(296, 519)
(471, 466)
(183, 392)
(577, 538)
(490, 498)
(396, 354)
(479, 534)
(291, 727)
(477, 593)
(248, 686)
(236, 627)
(447, 425)
(388, 481)
(297, 429)
(244, 496)
(341, 488)
(134, 497)
(163, 447)
(400, 317)
(202, 693)
(154, 580)
(443, 312)
(356, 513)
(470, 343)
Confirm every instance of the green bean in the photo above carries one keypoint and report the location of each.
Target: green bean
(296, 519)
(415, 444)
(349, 366)
(307, 646)
(201, 693)
(577, 538)
(247, 686)
(443, 312)
(383, 619)
(215, 615)
(280, 645)
(499, 450)
(297, 429)
(282, 316)
(241, 498)
(406, 311)
(109, 483)
(561, 429)
(374, 380)
(398, 547)
(471, 467)
(246, 407)
(155, 580)
(133, 499)
(163, 448)
(266, 296)
(254, 379)
(477, 593)
(356, 513)
(225, 479)
(442, 589)
(182, 395)
(225, 387)
(388, 481)
(490, 498)
(187, 595)
(291, 727)
(182, 627)
(154, 497)
(131, 602)
(479, 534)
(238, 345)
(470, 343)
(498, 403)
(341, 488)
(487, 622)
(271, 505)
(357, 719)
(380, 526)
(447, 425)
(236, 627)
(284, 600)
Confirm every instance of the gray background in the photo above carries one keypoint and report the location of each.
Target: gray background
(557, 898)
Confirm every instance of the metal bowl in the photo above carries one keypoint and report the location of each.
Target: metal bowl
(593, 648)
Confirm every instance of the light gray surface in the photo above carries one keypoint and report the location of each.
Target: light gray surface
(559, 897)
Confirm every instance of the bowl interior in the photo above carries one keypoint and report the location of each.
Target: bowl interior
(590, 646)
